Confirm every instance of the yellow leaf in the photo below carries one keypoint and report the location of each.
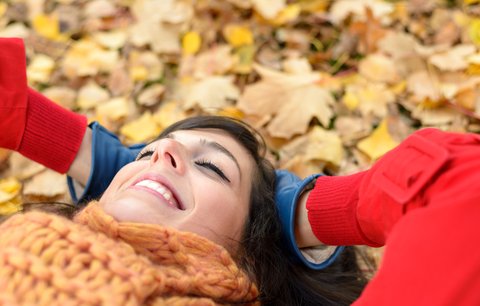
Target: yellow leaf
(289, 13)
(469, 2)
(169, 113)
(350, 100)
(474, 31)
(40, 68)
(378, 143)
(243, 57)
(237, 35)
(11, 207)
(232, 112)
(191, 43)
(3, 8)
(9, 189)
(48, 26)
(10, 200)
(115, 109)
(142, 129)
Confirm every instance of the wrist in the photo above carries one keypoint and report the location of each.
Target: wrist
(332, 208)
(53, 135)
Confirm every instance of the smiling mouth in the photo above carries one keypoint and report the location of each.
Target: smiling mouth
(160, 189)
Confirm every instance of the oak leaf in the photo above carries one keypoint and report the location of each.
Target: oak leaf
(292, 100)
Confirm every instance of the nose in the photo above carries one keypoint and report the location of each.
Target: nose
(171, 154)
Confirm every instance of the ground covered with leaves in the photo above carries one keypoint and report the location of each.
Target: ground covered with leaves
(331, 85)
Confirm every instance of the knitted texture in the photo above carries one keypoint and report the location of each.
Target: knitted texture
(95, 260)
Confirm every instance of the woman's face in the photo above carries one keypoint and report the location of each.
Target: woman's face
(193, 180)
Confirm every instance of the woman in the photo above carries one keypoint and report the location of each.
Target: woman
(167, 186)
(204, 175)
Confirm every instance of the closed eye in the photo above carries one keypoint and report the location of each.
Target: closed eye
(144, 154)
(211, 166)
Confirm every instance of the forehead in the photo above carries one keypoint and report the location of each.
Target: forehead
(199, 136)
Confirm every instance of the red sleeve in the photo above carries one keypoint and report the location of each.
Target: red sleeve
(13, 92)
(422, 200)
(29, 122)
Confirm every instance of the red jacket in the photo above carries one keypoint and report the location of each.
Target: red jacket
(421, 200)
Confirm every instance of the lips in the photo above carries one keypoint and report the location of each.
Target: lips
(159, 187)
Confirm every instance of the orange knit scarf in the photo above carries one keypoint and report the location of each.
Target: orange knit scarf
(95, 260)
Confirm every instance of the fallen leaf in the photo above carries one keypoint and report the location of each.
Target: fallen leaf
(48, 26)
(319, 146)
(169, 113)
(114, 109)
(237, 35)
(341, 9)
(142, 129)
(210, 94)
(379, 68)
(22, 168)
(87, 58)
(368, 97)
(47, 184)
(191, 43)
(145, 66)
(9, 189)
(40, 69)
(214, 61)
(151, 95)
(110, 40)
(454, 59)
(91, 95)
(378, 143)
(269, 9)
(61, 95)
(295, 99)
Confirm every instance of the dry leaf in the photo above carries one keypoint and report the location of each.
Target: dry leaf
(63, 96)
(47, 184)
(341, 9)
(142, 129)
(151, 95)
(378, 143)
(269, 9)
(111, 40)
(423, 86)
(87, 58)
(48, 26)
(10, 201)
(114, 109)
(145, 66)
(368, 97)
(191, 43)
(319, 146)
(40, 69)
(91, 95)
(295, 99)
(237, 35)
(454, 59)
(169, 113)
(214, 61)
(379, 68)
(22, 168)
(210, 94)
(99, 9)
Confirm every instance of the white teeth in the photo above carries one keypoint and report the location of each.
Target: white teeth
(164, 191)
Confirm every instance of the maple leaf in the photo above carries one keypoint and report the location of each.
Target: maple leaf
(292, 100)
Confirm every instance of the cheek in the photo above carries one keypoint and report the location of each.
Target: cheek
(121, 180)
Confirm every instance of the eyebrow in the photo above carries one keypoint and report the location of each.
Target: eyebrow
(217, 147)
